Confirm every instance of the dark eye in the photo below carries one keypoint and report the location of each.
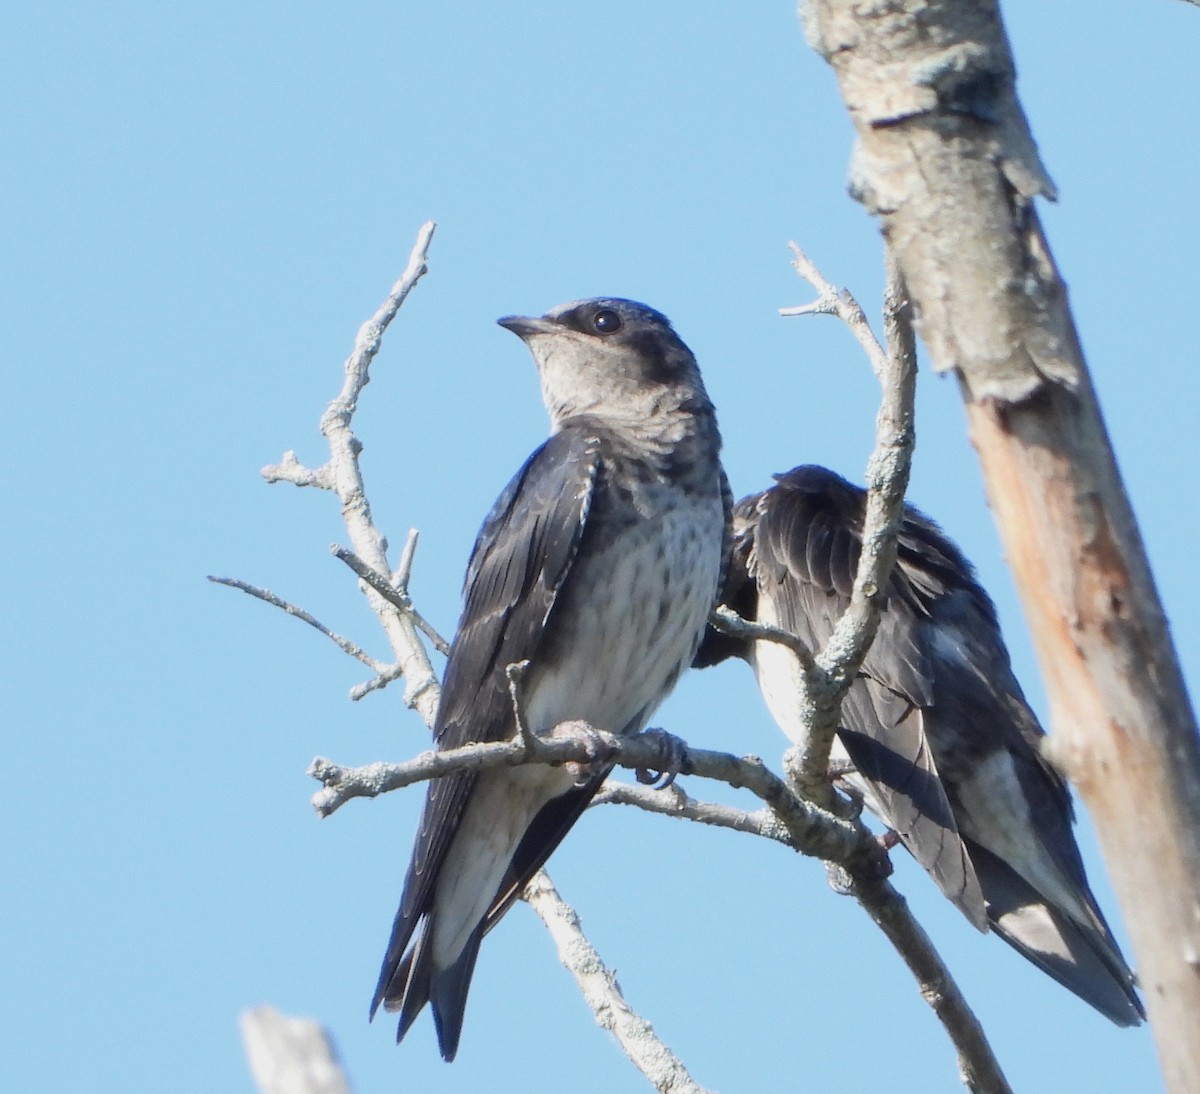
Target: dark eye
(606, 321)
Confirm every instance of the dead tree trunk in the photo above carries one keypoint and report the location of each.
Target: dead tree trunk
(945, 159)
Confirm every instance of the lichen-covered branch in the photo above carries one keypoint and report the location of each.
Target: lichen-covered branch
(946, 160)
(831, 672)
(343, 475)
(813, 830)
(603, 994)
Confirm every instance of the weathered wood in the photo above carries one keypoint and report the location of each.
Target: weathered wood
(946, 161)
(290, 1055)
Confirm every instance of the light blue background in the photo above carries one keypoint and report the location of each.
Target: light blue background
(202, 203)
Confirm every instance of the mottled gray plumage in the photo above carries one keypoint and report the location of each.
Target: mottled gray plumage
(599, 565)
(943, 746)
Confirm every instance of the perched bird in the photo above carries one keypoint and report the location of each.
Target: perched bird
(935, 734)
(599, 565)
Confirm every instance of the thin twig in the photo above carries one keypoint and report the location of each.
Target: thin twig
(403, 573)
(384, 674)
(343, 475)
(515, 674)
(676, 802)
(398, 598)
(978, 1067)
(727, 621)
(603, 994)
(887, 480)
(344, 644)
(377, 682)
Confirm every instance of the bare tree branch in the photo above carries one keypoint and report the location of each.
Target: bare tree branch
(290, 1055)
(840, 660)
(603, 994)
(814, 830)
(945, 158)
(343, 475)
(676, 802)
(791, 820)
(887, 481)
(978, 1067)
(390, 592)
(344, 644)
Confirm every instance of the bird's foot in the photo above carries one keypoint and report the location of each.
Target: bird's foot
(839, 769)
(875, 865)
(597, 744)
(674, 749)
(848, 802)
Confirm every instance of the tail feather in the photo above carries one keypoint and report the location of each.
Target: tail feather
(408, 981)
(417, 981)
(408, 991)
(446, 990)
(1083, 958)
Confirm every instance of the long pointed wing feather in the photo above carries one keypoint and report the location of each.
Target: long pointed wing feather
(806, 545)
(521, 558)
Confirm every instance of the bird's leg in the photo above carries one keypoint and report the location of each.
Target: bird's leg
(674, 749)
(839, 769)
(878, 864)
(852, 800)
(598, 745)
(848, 802)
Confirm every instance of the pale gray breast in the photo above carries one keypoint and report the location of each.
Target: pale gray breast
(632, 614)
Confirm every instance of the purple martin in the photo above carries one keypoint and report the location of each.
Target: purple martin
(935, 734)
(598, 565)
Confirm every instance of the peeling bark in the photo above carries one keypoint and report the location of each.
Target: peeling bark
(945, 159)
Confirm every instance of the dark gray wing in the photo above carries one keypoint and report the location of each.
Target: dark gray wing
(936, 725)
(520, 560)
(987, 740)
(805, 550)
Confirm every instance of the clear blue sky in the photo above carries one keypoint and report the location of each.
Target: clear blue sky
(202, 203)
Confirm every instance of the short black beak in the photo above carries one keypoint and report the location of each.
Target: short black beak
(525, 327)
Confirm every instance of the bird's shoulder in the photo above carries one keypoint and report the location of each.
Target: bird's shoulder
(809, 528)
(806, 542)
(540, 510)
(939, 642)
(521, 557)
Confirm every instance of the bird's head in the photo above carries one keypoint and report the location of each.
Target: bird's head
(614, 359)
